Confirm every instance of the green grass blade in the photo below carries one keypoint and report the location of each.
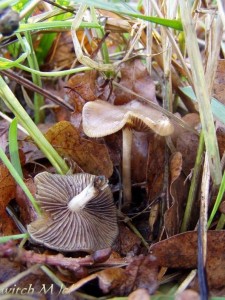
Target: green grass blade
(19, 180)
(6, 63)
(44, 46)
(4, 239)
(175, 24)
(46, 40)
(194, 185)
(201, 91)
(53, 25)
(218, 200)
(119, 8)
(13, 147)
(221, 222)
(6, 3)
(24, 119)
(39, 115)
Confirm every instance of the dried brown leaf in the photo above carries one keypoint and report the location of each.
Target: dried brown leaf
(129, 244)
(7, 193)
(188, 295)
(155, 166)
(139, 294)
(222, 207)
(7, 186)
(220, 133)
(155, 175)
(173, 215)
(219, 82)
(30, 150)
(27, 213)
(180, 251)
(62, 54)
(83, 88)
(186, 142)
(139, 156)
(135, 77)
(114, 145)
(111, 279)
(91, 157)
(140, 273)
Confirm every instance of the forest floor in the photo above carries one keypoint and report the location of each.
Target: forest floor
(112, 139)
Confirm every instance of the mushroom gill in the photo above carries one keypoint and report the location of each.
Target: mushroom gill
(88, 224)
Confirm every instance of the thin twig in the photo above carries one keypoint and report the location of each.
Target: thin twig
(33, 87)
(74, 264)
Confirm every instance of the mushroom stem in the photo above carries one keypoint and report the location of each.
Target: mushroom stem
(126, 165)
(79, 201)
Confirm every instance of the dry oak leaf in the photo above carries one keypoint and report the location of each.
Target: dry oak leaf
(7, 193)
(83, 88)
(7, 186)
(90, 156)
(27, 212)
(220, 133)
(141, 272)
(139, 157)
(186, 142)
(111, 279)
(155, 175)
(155, 166)
(129, 244)
(61, 53)
(173, 214)
(219, 82)
(135, 77)
(180, 251)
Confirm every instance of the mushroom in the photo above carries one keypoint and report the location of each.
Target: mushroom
(101, 118)
(78, 212)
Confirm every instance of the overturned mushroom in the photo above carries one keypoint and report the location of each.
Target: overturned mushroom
(101, 118)
(78, 212)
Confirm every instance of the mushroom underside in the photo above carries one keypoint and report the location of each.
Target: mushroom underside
(92, 228)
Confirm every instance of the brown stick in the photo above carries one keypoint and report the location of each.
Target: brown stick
(35, 88)
(10, 250)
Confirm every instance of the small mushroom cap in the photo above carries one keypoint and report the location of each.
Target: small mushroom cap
(101, 118)
(93, 227)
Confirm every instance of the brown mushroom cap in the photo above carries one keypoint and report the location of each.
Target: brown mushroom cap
(101, 118)
(88, 229)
